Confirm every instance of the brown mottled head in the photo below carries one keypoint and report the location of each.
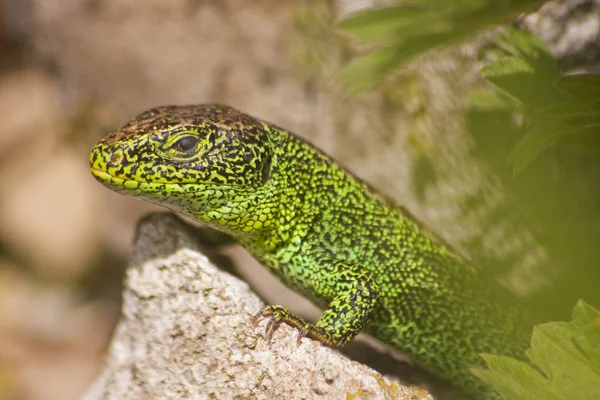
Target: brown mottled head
(187, 157)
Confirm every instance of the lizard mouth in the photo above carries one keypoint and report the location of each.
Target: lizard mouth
(104, 176)
(114, 182)
(138, 187)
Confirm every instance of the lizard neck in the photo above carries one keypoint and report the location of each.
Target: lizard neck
(303, 182)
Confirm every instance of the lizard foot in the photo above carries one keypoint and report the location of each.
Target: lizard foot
(276, 315)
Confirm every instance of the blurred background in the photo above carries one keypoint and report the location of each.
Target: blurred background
(432, 134)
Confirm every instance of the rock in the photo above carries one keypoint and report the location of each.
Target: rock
(186, 333)
(571, 29)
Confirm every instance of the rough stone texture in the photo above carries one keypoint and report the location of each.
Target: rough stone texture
(186, 333)
(572, 31)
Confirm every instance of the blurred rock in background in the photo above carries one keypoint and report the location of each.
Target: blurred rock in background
(73, 70)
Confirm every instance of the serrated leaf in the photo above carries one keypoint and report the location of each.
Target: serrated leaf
(586, 321)
(489, 100)
(425, 24)
(584, 86)
(515, 379)
(556, 105)
(366, 71)
(534, 50)
(507, 66)
(569, 372)
(551, 342)
(540, 136)
(380, 25)
(518, 78)
(564, 371)
(528, 72)
(569, 108)
(584, 314)
(525, 44)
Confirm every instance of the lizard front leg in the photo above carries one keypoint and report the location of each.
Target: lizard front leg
(352, 292)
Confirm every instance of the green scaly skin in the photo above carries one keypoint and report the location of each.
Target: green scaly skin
(322, 231)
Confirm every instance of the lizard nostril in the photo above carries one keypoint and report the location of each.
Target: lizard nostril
(116, 157)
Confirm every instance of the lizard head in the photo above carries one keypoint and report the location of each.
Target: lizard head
(207, 161)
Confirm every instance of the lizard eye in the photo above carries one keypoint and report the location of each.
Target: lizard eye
(185, 145)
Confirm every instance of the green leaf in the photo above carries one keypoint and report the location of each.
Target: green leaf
(525, 44)
(517, 78)
(508, 74)
(366, 71)
(585, 86)
(488, 100)
(555, 106)
(507, 66)
(563, 366)
(380, 25)
(570, 373)
(422, 26)
(515, 379)
(543, 134)
(586, 320)
(528, 72)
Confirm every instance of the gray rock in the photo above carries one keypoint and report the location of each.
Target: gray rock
(185, 332)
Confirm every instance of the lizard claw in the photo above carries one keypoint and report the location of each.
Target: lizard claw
(273, 321)
(276, 315)
(259, 315)
(300, 335)
(271, 327)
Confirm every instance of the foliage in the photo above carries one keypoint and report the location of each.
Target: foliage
(565, 357)
(399, 33)
(554, 106)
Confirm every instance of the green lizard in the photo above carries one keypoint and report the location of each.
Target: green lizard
(369, 264)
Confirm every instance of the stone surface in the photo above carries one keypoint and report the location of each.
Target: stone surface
(571, 29)
(186, 333)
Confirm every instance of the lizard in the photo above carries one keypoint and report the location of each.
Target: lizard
(368, 263)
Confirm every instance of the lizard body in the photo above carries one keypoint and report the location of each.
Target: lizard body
(369, 264)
